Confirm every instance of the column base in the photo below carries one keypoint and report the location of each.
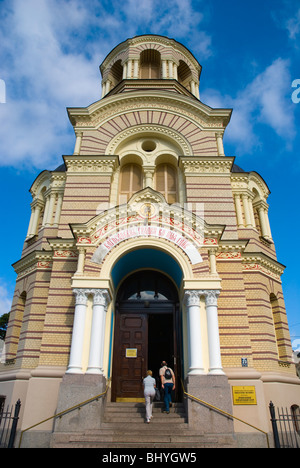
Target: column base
(196, 371)
(74, 370)
(77, 388)
(94, 370)
(215, 390)
(217, 371)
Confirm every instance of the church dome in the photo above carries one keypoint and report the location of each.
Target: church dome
(150, 57)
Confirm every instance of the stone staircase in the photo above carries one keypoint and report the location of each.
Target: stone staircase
(124, 426)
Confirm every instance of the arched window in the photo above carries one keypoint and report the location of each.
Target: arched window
(277, 323)
(147, 285)
(150, 64)
(166, 182)
(116, 73)
(184, 74)
(14, 327)
(130, 181)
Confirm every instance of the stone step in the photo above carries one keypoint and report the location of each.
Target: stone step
(147, 441)
(161, 418)
(124, 426)
(131, 406)
(132, 412)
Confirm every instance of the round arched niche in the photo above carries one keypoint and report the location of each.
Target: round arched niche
(146, 259)
(148, 140)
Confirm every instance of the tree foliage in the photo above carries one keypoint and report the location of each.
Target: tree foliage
(3, 325)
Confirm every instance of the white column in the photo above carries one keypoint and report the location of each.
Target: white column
(78, 143)
(175, 73)
(124, 71)
(170, 69)
(215, 364)
(220, 146)
(129, 69)
(264, 222)
(252, 212)
(192, 300)
(107, 87)
(212, 261)
(103, 89)
(246, 210)
(149, 173)
(50, 210)
(267, 221)
(80, 263)
(193, 88)
(101, 298)
(135, 69)
(30, 222)
(164, 68)
(36, 218)
(75, 363)
(238, 208)
(46, 211)
(58, 209)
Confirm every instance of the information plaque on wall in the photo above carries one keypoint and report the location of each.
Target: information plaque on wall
(244, 395)
(131, 352)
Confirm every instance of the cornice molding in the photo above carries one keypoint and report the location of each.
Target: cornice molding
(61, 244)
(242, 181)
(40, 179)
(35, 260)
(258, 261)
(101, 111)
(192, 165)
(98, 164)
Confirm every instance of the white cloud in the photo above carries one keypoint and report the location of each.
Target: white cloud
(5, 298)
(50, 56)
(41, 80)
(293, 25)
(264, 101)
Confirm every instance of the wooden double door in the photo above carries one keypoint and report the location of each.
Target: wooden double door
(146, 332)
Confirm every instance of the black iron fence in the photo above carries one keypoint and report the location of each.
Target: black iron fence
(286, 426)
(9, 418)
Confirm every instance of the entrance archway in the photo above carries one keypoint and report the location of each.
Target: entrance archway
(147, 330)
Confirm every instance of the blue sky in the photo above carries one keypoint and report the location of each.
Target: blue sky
(50, 52)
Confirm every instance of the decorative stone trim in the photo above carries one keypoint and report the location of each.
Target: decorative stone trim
(91, 164)
(98, 113)
(35, 260)
(157, 129)
(205, 165)
(260, 262)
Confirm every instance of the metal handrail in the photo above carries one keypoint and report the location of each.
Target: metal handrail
(72, 408)
(225, 413)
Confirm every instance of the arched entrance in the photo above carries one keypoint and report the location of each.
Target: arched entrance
(147, 330)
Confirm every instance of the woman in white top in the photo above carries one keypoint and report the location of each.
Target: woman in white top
(149, 393)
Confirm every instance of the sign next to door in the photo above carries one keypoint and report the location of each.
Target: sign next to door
(244, 395)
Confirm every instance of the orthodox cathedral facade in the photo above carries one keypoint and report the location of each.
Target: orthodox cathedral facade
(149, 243)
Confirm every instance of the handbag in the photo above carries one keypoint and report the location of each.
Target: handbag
(157, 395)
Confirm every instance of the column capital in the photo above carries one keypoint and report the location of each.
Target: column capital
(101, 297)
(211, 297)
(192, 297)
(81, 296)
(37, 203)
